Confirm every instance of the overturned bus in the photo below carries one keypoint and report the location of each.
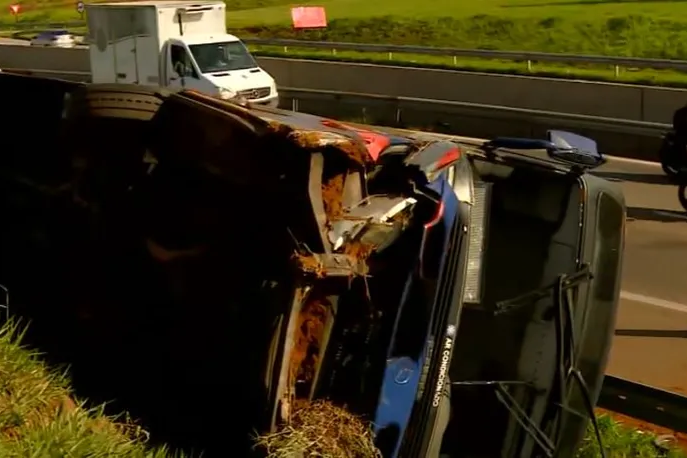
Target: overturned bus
(458, 296)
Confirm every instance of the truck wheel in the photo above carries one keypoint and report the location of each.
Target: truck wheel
(125, 101)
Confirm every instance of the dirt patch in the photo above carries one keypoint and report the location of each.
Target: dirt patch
(680, 437)
(359, 251)
(332, 196)
(308, 339)
(357, 151)
(308, 140)
(309, 264)
(320, 429)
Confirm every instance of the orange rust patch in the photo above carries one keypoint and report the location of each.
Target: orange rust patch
(356, 151)
(306, 139)
(279, 128)
(359, 251)
(332, 195)
(308, 339)
(309, 264)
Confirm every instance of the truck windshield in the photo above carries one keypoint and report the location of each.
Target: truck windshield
(222, 57)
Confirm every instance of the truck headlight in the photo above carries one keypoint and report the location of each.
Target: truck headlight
(226, 94)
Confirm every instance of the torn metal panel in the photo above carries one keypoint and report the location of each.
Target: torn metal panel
(346, 264)
(376, 210)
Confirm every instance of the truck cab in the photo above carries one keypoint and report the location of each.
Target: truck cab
(220, 64)
(177, 45)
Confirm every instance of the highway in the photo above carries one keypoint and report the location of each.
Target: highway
(651, 332)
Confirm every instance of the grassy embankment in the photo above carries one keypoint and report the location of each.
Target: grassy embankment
(616, 27)
(40, 419)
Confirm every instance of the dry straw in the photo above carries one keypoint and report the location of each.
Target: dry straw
(324, 430)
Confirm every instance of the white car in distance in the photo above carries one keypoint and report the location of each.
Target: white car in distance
(54, 38)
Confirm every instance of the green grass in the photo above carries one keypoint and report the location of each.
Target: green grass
(622, 28)
(652, 36)
(642, 28)
(38, 417)
(590, 72)
(623, 442)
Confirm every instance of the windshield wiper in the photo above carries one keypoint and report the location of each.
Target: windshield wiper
(565, 151)
(566, 341)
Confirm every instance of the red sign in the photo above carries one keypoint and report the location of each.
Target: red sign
(308, 17)
(14, 9)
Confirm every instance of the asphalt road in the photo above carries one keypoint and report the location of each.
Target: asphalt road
(651, 332)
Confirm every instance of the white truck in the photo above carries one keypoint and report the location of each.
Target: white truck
(175, 44)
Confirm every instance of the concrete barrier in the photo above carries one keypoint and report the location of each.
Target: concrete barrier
(33, 57)
(640, 103)
(623, 101)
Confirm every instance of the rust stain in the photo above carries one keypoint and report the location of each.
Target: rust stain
(279, 128)
(332, 196)
(358, 250)
(309, 140)
(309, 264)
(308, 339)
(356, 151)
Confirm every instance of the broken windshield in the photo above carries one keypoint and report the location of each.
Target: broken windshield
(222, 57)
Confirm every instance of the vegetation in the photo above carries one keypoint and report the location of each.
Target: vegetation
(640, 28)
(321, 429)
(630, 35)
(39, 417)
(624, 441)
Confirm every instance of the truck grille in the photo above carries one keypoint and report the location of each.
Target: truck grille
(257, 93)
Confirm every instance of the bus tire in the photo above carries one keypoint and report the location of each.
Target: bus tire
(118, 101)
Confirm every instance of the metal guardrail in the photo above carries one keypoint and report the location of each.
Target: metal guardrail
(623, 126)
(650, 404)
(528, 56)
(399, 104)
(390, 50)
